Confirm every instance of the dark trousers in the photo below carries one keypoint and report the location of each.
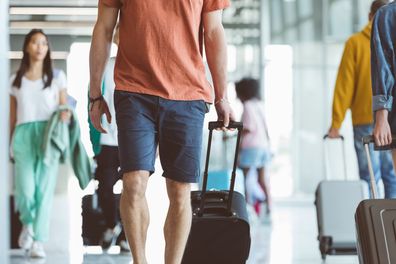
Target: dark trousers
(107, 174)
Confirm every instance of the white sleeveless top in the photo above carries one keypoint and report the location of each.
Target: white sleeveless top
(35, 103)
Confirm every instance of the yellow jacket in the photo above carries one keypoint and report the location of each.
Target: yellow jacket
(353, 86)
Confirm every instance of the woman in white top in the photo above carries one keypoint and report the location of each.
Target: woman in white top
(37, 90)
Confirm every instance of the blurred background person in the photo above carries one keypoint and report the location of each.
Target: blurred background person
(37, 91)
(255, 143)
(353, 91)
(105, 147)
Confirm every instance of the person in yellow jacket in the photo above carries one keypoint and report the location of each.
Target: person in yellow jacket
(353, 91)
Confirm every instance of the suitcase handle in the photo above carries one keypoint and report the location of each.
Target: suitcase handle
(366, 141)
(214, 198)
(370, 139)
(220, 124)
(373, 185)
(216, 211)
(212, 126)
(327, 163)
(327, 136)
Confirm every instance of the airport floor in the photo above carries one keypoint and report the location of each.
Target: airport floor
(289, 239)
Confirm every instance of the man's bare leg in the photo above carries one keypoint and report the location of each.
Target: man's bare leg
(178, 221)
(135, 214)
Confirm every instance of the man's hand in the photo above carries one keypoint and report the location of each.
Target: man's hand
(224, 113)
(382, 132)
(95, 114)
(334, 132)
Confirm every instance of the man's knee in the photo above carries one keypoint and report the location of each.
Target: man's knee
(135, 184)
(179, 193)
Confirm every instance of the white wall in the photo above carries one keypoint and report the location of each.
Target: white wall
(4, 110)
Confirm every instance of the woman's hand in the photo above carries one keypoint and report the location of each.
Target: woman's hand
(65, 116)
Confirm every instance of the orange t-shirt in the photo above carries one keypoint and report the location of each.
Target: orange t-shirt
(160, 47)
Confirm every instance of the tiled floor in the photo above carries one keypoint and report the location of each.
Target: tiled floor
(290, 239)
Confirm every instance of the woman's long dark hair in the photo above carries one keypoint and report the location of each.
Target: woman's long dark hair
(48, 73)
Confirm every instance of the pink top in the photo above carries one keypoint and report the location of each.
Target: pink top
(254, 124)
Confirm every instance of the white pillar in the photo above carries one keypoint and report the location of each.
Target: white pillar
(4, 116)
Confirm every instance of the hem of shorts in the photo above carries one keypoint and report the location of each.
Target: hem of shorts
(151, 170)
(181, 179)
(248, 167)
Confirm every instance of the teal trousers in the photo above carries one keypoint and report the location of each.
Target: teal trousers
(34, 181)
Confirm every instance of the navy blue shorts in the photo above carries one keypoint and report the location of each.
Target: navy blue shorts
(145, 122)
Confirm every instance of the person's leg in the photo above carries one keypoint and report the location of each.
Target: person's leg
(245, 175)
(135, 213)
(359, 132)
(107, 175)
(178, 220)
(180, 148)
(24, 156)
(136, 116)
(265, 187)
(388, 174)
(45, 177)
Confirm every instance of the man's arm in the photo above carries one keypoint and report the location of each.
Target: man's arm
(98, 56)
(216, 54)
(382, 56)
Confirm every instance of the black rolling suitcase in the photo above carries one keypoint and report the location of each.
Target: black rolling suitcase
(93, 222)
(376, 224)
(220, 232)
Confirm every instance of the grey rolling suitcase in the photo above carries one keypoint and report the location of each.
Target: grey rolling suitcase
(336, 202)
(376, 223)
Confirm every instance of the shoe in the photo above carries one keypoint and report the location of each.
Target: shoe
(109, 237)
(37, 250)
(25, 239)
(124, 246)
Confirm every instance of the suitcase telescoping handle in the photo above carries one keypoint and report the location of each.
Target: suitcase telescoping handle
(366, 141)
(327, 162)
(212, 126)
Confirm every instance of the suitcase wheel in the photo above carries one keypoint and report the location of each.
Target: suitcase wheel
(325, 246)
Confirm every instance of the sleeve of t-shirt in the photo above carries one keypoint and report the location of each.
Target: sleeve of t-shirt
(12, 90)
(111, 3)
(61, 81)
(212, 5)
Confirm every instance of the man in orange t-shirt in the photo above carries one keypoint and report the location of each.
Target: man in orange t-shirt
(161, 98)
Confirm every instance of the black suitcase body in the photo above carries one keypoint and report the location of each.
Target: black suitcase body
(93, 222)
(220, 231)
(376, 224)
